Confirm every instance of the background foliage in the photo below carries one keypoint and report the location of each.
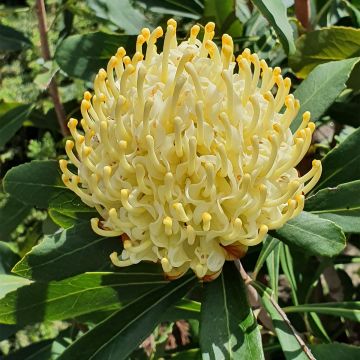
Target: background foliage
(60, 298)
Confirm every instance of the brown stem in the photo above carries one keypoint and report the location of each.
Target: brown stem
(302, 11)
(45, 51)
(247, 279)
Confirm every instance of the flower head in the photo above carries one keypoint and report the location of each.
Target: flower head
(187, 154)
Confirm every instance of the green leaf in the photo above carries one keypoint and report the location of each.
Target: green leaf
(347, 113)
(321, 88)
(312, 234)
(324, 45)
(317, 327)
(59, 300)
(82, 56)
(12, 40)
(43, 350)
(335, 351)
(272, 264)
(192, 9)
(184, 309)
(349, 310)
(275, 13)
(340, 205)
(342, 163)
(67, 253)
(10, 283)
(287, 266)
(48, 349)
(224, 16)
(67, 219)
(355, 13)
(123, 15)
(39, 183)
(12, 213)
(11, 122)
(121, 333)
(228, 328)
(269, 245)
(8, 258)
(193, 354)
(290, 344)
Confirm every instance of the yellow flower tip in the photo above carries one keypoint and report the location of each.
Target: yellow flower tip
(195, 31)
(306, 116)
(86, 151)
(107, 171)
(127, 61)
(316, 163)
(172, 22)
(158, 32)
(127, 244)
(114, 61)
(206, 218)
(287, 83)
(87, 95)
(263, 231)
(246, 54)
(226, 40)
(140, 39)
(276, 71)
(277, 128)
(210, 27)
(124, 193)
(167, 156)
(120, 53)
(69, 145)
(80, 139)
(85, 105)
(145, 32)
(63, 165)
(102, 74)
(263, 65)
(166, 265)
(311, 126)
(268, 96)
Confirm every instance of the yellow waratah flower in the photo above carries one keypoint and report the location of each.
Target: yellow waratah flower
(187, 154)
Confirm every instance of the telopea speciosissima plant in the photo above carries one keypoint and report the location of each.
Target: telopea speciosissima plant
(197, 211)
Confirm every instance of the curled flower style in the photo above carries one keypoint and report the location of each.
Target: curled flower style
(187, 154)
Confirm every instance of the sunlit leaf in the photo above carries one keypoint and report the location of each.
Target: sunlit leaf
(59, 300)
(67, 253)
(340, 205)
(121, 333)
(342, 163)
(312, 234)
(324, 45)
(275, 12)
(349, 310)
(321, 88)
(228, 328)
(291, 346)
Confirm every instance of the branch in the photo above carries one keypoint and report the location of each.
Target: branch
(302, 12)
(45, 51)
(247, 279)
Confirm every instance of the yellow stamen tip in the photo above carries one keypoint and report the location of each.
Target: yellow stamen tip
(120, 52)
(87, 95)
(210, 27)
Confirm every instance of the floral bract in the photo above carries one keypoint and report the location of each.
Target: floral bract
(187, 154)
